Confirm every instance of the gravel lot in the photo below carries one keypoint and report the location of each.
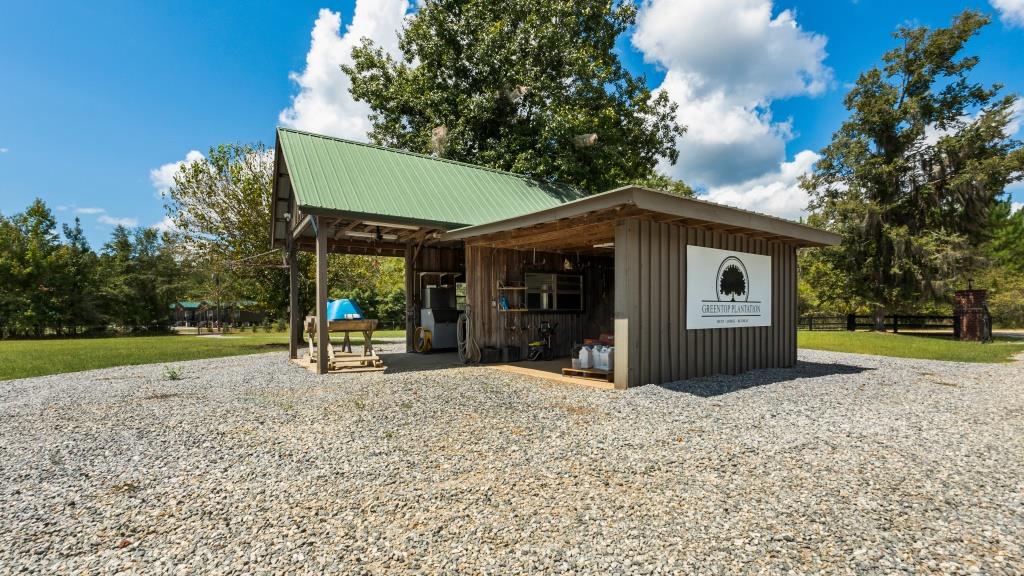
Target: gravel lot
(846, 464)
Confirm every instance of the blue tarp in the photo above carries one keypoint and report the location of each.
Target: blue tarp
(343, 309)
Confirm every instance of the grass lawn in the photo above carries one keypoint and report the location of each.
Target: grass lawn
(928, 347)
(24, 358)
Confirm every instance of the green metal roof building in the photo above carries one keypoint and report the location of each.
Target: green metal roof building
(352, 181)
(493, 229)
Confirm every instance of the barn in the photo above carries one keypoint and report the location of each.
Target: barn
(684, 287)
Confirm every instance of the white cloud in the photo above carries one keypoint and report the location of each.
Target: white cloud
(1017, 120)
(725, 62)
(101, 214)
(1011, 12)
(735, 44)
(1015, 206)
(323, 104)
(776, 192)
(4, 150)
(932, 133)
(163, 177)
(165, 225)
(113, 221)
(1015, 193)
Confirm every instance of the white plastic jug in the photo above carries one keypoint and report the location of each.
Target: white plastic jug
(600, 358)
(603, 358)
(586, 357)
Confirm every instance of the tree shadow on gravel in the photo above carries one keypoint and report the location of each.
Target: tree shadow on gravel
(719, 385)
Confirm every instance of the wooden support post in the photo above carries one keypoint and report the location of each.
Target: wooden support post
(323, 335)
(294, 314)
(410, 304)
(627, 300)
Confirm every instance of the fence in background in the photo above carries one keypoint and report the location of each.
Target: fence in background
(893, 323)
(8, 332)
(45, 331)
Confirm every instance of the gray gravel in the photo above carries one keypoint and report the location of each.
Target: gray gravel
(846, 464)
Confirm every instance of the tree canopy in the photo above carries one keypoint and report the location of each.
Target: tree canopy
(62, 286)
(911, 177)
(529, 86)
(220, 206)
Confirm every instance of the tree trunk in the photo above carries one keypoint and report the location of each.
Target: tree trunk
(879, 314)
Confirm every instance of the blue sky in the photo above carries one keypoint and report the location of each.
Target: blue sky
(96, 96)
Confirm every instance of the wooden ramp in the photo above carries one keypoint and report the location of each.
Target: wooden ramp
(552, 371)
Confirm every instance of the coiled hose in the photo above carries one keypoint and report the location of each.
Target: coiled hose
(468, 349)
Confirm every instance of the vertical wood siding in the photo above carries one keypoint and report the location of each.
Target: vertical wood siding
(425, 259)
(486, 267)
(653, 345)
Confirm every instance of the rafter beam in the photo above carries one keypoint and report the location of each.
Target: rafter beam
(565, 227)
(300, 228)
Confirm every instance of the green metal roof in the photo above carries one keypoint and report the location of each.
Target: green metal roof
(188, 304)
(335, 175)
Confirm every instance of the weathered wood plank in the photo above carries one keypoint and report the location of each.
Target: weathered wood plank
(693, 340)
(677, 332)
(323, 336)
(294, 314)
(644, 292)
(623, 302)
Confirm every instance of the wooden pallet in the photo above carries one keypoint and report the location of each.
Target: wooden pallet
(589, 373)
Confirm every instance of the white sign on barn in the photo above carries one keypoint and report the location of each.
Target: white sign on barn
(726, 289)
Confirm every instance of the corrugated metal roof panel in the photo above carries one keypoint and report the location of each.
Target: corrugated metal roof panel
(340, 175)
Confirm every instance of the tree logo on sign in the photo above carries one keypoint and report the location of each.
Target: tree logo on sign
(732, 282)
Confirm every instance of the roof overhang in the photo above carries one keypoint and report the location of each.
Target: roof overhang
(590, 221)
(374, 197)
(348, 232)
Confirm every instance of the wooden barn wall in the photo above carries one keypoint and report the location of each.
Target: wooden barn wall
(425, 259)
(486, 267)
(652, 343)
(599, 295)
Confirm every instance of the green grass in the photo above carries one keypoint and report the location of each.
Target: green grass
(927, 347)
(25, 358)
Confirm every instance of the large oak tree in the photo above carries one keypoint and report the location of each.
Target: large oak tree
(529, 86)
(911, 176)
